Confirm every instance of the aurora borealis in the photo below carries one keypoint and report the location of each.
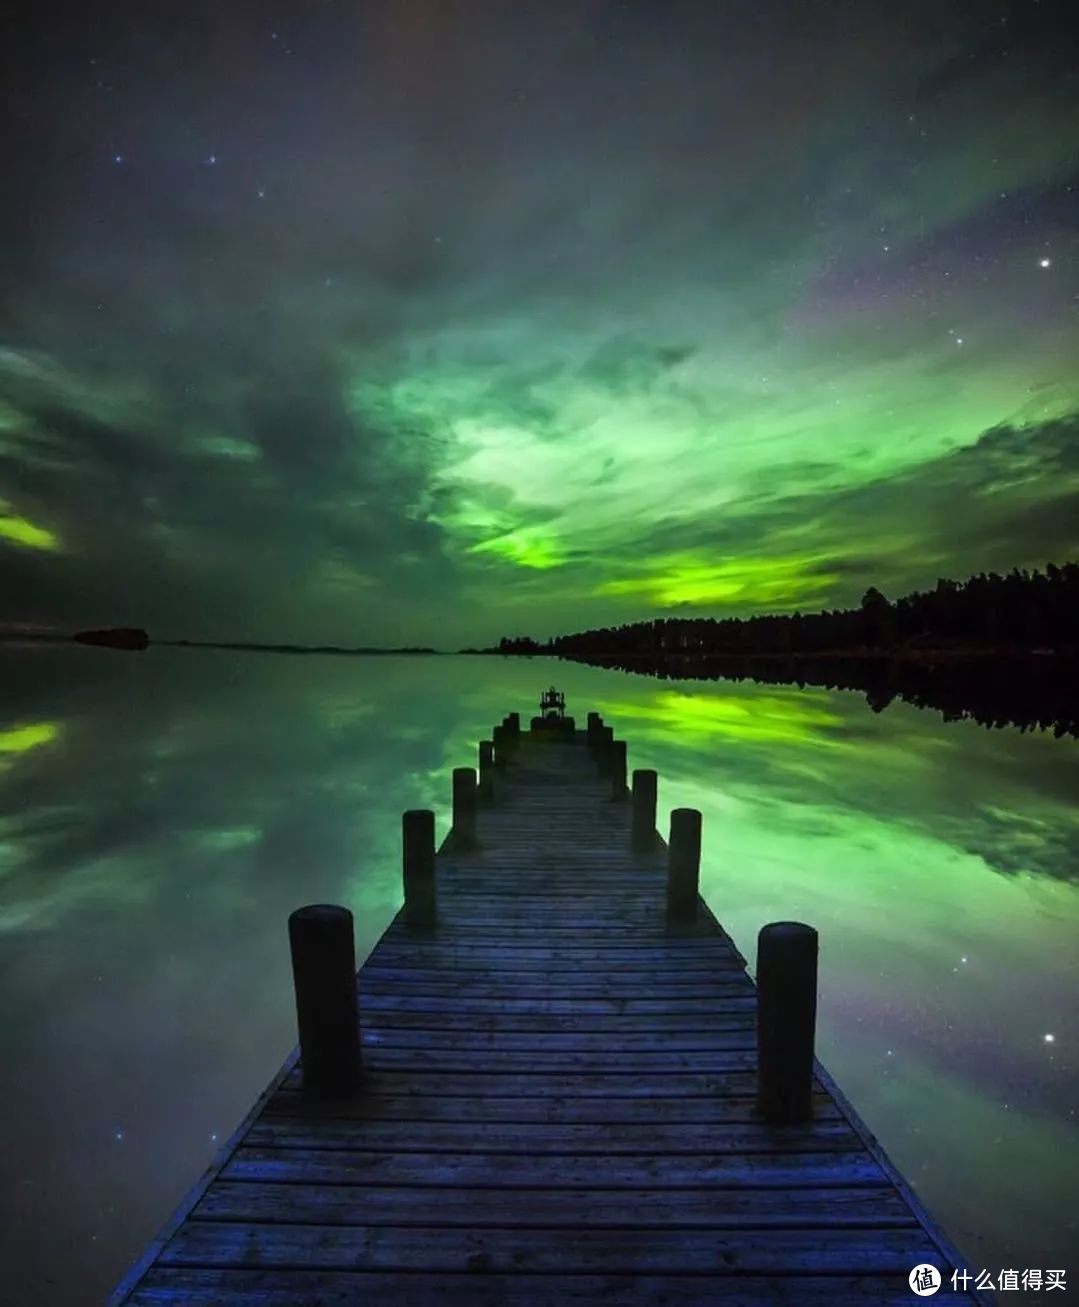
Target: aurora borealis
(424, 322)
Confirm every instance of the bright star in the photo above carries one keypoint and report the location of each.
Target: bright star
(212, 158)
(1049, 1039)
(261, 194)
(1045, 263)
(117, 158)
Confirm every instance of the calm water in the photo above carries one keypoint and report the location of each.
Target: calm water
(161, 814)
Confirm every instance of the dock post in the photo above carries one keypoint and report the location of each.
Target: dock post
(786, 1020)
(501, 746)
(603, 749)
(464, 807)
(324, 975)
(509, 741)
(592, 723)
(618, 769)
(418, 865)
(569, 729)
(486, 791)
(644, 810)
(683, 864)
(513, 721)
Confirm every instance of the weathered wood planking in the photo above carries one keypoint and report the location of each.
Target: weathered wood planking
(558, 1106)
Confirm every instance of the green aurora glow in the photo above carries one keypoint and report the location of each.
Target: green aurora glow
(477, 325)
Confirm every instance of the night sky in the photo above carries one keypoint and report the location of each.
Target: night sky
(427, 322)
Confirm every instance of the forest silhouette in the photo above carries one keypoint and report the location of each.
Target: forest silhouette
(1002, 650)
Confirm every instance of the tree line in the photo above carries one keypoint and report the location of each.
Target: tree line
(1020, 611)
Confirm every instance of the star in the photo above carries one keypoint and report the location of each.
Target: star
(261, 193)
(1049, 1039)
(1045, 262)
(211, 158)
(117, 158)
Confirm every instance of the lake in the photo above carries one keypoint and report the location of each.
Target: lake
(162, 813)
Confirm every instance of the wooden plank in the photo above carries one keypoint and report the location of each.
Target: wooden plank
(534, 999)
(639, 1138)
(608, 1024)
(463, 1106)
(544, 1251)
(171, 1286)
(542, 1043)
(714, 1209)
(612, 1085)
(637, 980)
(714, 1168)
(439, 1059)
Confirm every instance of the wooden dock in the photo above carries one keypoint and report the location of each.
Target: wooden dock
(558, 1100)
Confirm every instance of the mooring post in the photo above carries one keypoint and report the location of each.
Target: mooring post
(324, 975)
(683, 864)
(513, 721)
(569, 729)
(464, 807)
(487, 764)
(418, 865)
(618, 769)
(501, 746)
(644, 810)
(786, 1020)
(603, 749)
(592, 724)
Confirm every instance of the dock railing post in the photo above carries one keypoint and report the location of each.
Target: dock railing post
(513, 721)
(569, 729)
(501, 743)
(464, 807)
(592, 724)
(418, 866)
(683, 864)
(487, 765)
(324, 975)
(644, 810)
(786, 1020)
(618, 769)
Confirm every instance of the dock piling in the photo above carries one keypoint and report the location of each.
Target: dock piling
(603, 748)
(418, 863)
(464, 807)
(618, 769)
(683, 864)
(486, 791)
(644, 810)
(324, 975)
(501, 744)
(786, 1020)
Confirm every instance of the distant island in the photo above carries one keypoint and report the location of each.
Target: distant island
(135, 638)
(292, 648)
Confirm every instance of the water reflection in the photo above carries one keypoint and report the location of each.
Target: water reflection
(161, 815)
